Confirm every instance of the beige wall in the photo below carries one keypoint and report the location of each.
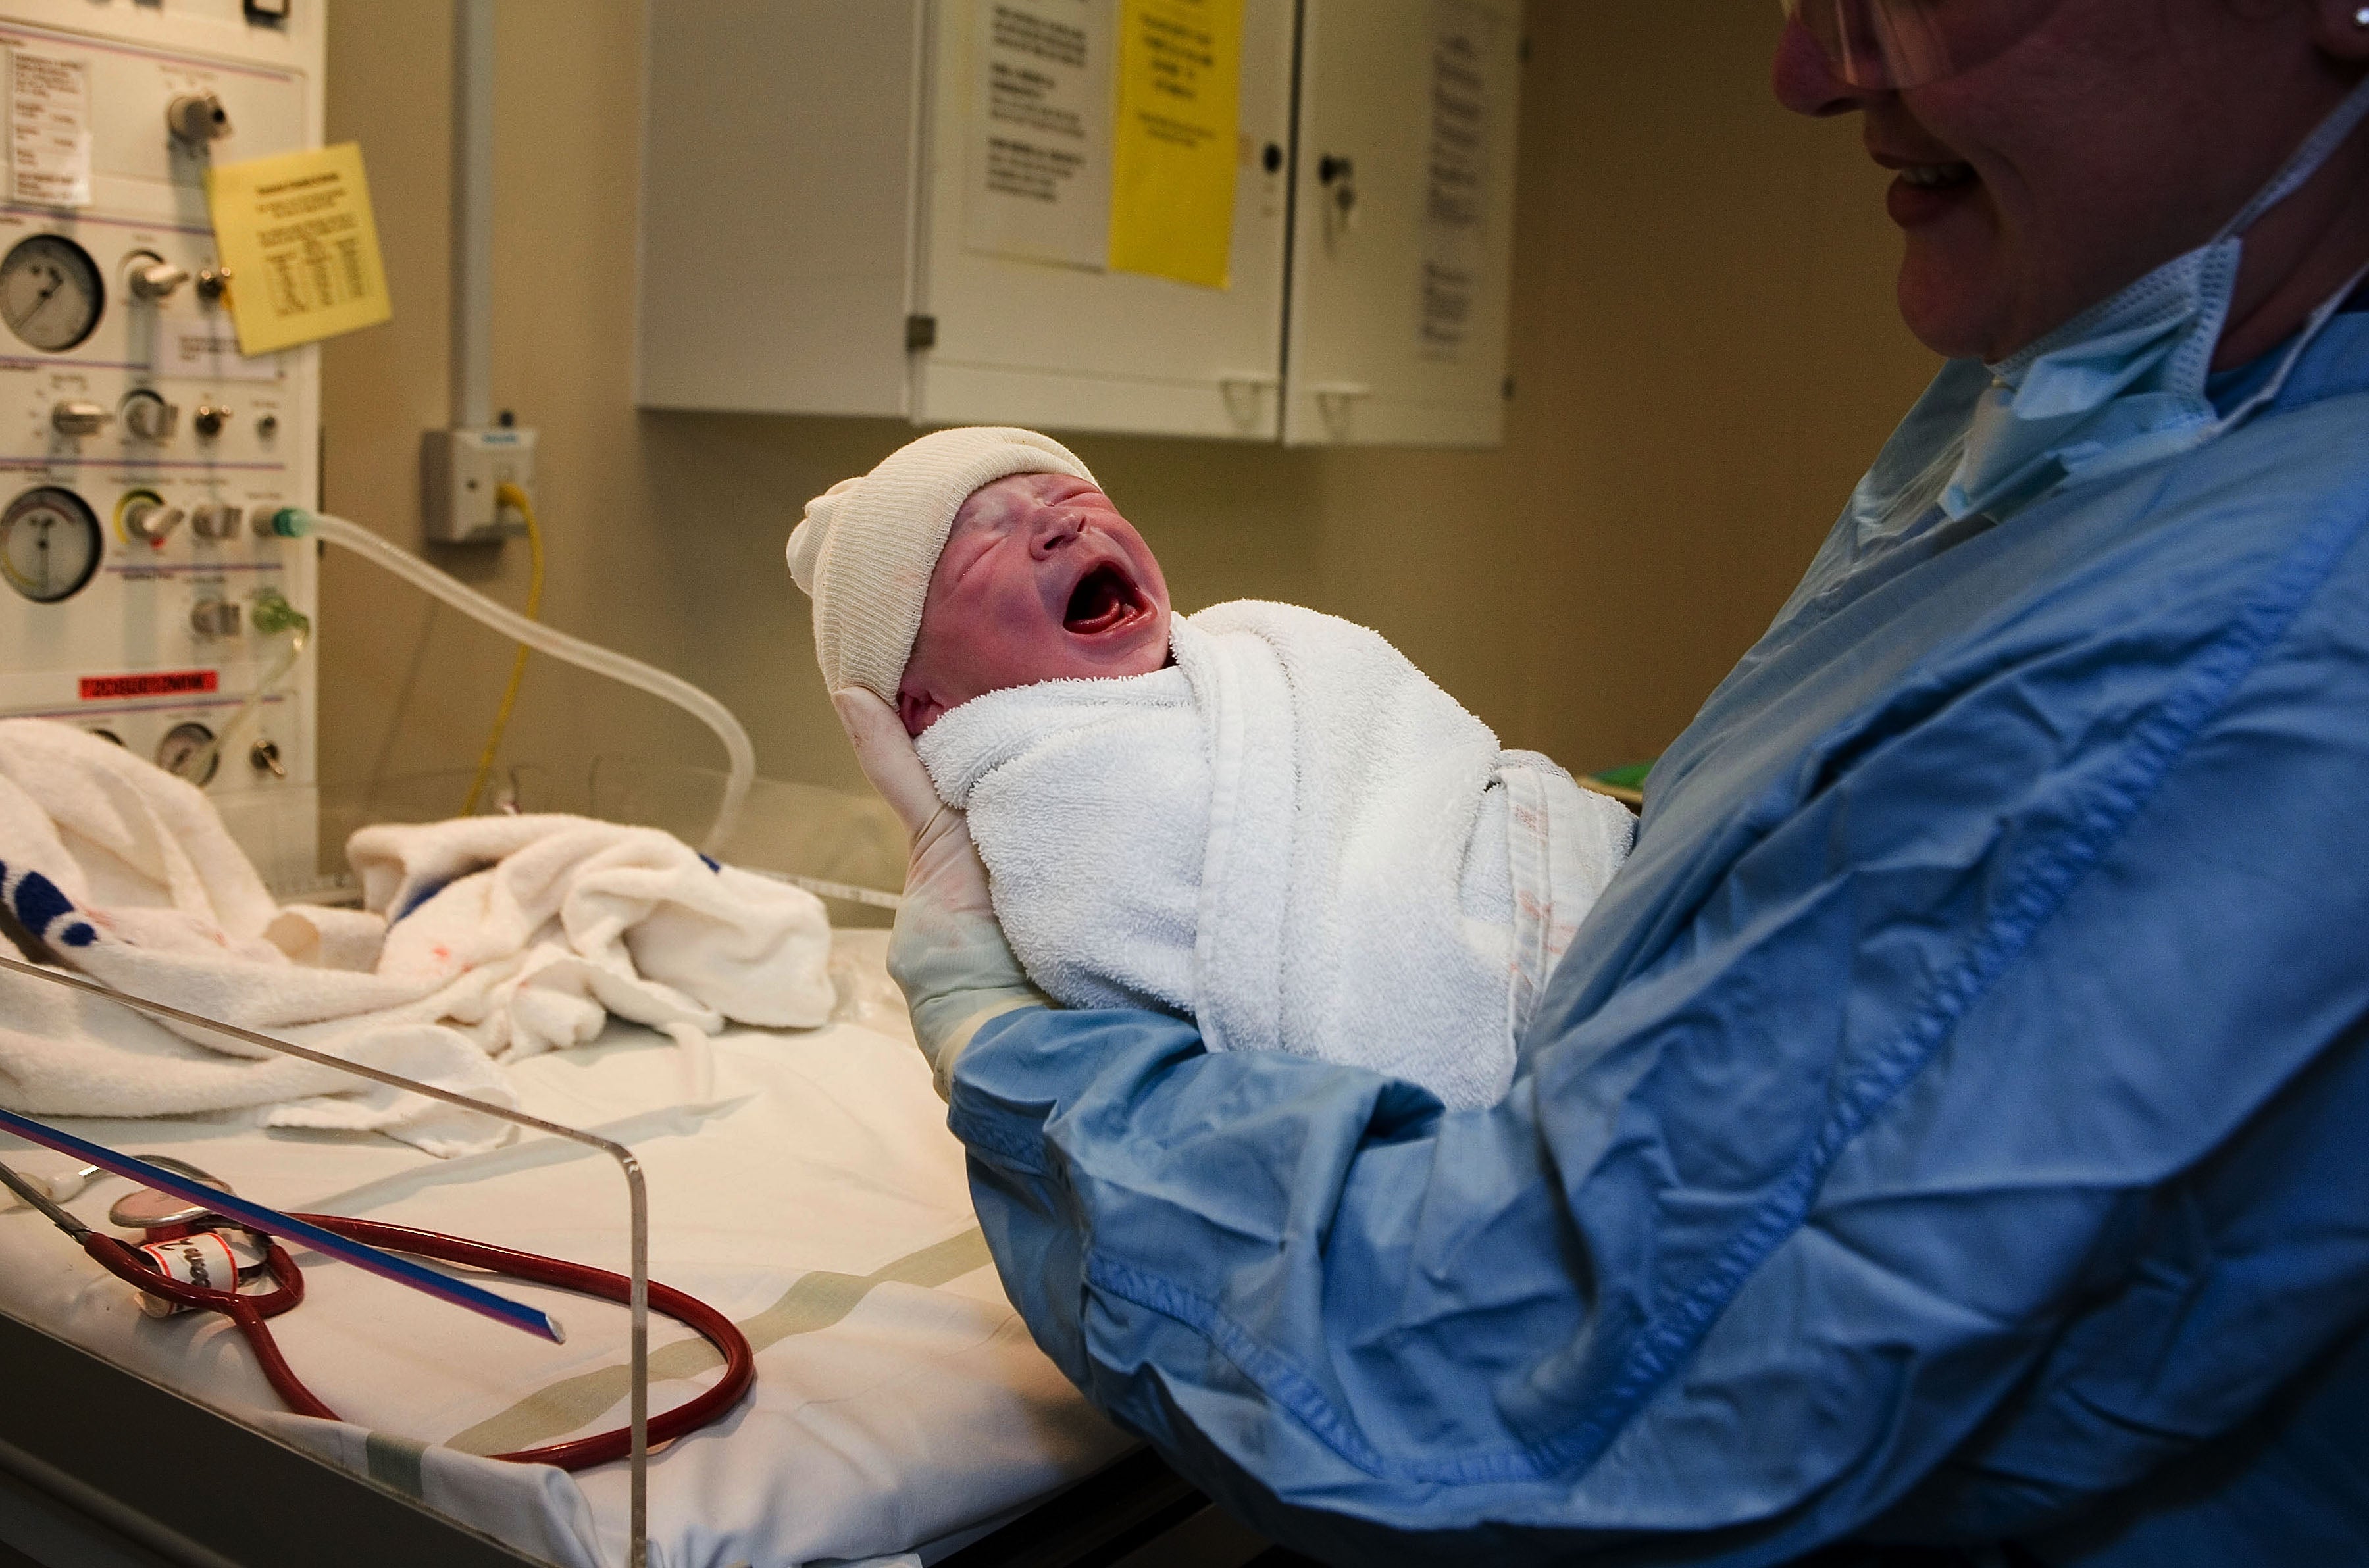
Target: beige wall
(1704, 349)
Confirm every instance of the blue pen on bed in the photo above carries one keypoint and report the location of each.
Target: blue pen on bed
(385, 1265)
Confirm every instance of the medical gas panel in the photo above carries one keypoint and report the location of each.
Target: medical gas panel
(139, 450)
(915, 209)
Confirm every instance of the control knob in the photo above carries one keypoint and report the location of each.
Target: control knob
(151, 520)
(214, 618)
(75, 418)
(208, 419)
(148, 417)
(148, 276)
(197, 118)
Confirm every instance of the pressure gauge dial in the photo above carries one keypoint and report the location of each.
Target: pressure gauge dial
(50, 292)
(50, 544)
(179, 752)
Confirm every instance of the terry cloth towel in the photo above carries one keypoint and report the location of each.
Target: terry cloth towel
(484, 939)
(1291, 835)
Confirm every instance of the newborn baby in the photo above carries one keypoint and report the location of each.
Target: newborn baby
(1259, 817)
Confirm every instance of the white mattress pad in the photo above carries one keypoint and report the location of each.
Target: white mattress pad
(801, 1182)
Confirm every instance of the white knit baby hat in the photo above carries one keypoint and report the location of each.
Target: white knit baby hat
(867, 546)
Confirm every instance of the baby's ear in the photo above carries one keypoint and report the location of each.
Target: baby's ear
(917, 710)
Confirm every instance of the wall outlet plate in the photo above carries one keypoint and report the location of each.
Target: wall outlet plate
(459, 471)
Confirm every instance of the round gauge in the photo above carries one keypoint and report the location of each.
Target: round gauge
(182, 746)
(50, 292)
(50, 544)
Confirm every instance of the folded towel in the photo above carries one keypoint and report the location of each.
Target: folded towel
(483, 940)
(1291, 835)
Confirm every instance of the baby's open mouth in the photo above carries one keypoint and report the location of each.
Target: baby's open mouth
(1105, 599)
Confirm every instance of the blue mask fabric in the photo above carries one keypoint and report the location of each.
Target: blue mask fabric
(2125, 382)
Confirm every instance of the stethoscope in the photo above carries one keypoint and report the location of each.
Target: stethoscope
(193, 1259)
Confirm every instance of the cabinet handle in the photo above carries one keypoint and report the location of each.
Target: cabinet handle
(1341, 391)
(1338, 175)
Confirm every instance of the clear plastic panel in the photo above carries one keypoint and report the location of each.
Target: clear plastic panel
(637, 1195)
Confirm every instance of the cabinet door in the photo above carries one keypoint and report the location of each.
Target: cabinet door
(776, 209)
(1403, 239)
(1059, 341)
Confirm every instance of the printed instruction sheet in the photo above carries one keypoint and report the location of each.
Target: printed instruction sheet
(1457, 173)
(1180, 78)
(1039, 184)
(297, 235)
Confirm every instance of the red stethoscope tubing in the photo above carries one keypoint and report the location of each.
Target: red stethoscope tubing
(248, 1312)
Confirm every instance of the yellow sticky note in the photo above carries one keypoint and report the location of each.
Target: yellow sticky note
(1172, 160)
(297, 235)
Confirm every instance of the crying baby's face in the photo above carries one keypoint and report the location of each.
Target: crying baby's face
(1041, 579)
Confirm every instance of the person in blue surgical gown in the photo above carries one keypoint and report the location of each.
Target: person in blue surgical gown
(1949, 1135)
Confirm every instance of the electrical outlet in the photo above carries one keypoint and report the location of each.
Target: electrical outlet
(460, 471)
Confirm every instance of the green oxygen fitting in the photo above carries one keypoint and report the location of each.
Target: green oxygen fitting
(291, 522)
(273, 615)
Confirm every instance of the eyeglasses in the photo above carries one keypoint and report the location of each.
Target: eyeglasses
(1887, 45)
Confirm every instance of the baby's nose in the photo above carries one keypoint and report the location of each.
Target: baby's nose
(1054, 531)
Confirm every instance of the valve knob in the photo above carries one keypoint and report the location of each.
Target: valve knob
(197, 118)
(148, 417)
(148, 276)
(214, 520)
(151, 520)
(214, 618)
(79, 418)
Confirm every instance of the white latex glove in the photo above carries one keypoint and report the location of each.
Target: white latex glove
(948, 954)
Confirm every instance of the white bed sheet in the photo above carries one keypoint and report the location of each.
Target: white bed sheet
(803, 1183)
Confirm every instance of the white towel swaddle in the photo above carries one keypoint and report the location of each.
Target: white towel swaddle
(1291, 835)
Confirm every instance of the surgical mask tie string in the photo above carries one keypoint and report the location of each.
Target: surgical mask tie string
(2127, 381)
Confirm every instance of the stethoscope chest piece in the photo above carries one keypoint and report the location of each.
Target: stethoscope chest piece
(146, 1209)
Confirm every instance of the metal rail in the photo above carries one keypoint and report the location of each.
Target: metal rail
(637, 1196)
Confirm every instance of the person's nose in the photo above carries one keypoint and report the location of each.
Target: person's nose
(1055, 529)
(1807, 82)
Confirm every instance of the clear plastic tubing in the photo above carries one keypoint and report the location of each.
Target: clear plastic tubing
(295, 522)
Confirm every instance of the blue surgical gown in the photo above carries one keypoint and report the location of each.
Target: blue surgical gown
(1952, 1125)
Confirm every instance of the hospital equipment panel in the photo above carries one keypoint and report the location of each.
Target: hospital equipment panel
(139, 450)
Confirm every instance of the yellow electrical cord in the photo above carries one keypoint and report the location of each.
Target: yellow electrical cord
(511, 496)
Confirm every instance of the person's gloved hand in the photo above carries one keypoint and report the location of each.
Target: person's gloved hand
(948, 954)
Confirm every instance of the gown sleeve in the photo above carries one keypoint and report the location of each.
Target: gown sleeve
(1970, 1144)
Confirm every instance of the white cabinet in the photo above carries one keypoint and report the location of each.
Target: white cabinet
(904, 207)
(1402, 240)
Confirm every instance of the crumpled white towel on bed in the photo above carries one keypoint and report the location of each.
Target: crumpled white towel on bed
(1292, 836)
(483, 940)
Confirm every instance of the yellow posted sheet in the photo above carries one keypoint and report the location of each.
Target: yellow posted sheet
(297, 235)
(1180, 70)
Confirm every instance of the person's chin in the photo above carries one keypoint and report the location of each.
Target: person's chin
(1951, 292)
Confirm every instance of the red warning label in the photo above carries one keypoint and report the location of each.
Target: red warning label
(152, 683)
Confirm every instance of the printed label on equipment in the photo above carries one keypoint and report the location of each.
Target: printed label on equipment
(213, 354)
(49, 130)
(297, 235)
(153, 683)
